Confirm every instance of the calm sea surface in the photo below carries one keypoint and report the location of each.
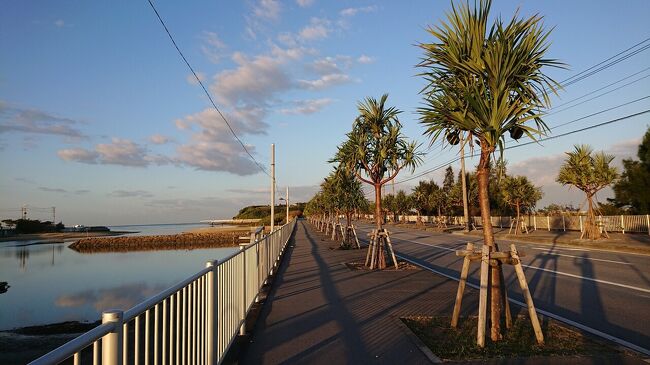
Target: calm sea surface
(51, 283)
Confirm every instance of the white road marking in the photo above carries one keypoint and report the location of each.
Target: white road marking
(579, 257)
(589, 279)
(546, 313)
(644, 290)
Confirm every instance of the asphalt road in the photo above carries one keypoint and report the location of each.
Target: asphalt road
(606, 292)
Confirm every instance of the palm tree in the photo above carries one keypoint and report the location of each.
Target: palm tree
(483, 82)
(423, 201)
(519, 192)
(376, 150)
(589, 172)
(349, 197)
(403, 203)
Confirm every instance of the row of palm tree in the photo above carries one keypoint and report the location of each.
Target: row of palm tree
(485, 82)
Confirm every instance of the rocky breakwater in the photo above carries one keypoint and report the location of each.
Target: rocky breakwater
(182, 241)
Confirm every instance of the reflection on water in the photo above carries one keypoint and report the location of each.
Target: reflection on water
(123, 296)
(21, 253)
(52, 283)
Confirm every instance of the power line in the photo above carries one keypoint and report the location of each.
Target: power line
(608, 65)
(599, 89)
(579, 75)
(599, 112)
(206, 90)
(527, 143)
(585, 74)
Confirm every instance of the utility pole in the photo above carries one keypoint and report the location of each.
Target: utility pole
(464, 184)
(23, 211)
(287, 221)
(54, 215)
(272, 186)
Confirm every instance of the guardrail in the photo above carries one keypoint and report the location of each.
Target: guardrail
(558, 222)
(193, 322)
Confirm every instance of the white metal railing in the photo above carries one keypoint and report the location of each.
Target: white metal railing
(561, 222)
(193, 322)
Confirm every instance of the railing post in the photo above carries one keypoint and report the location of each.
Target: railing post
(242, 329)
(622, 224)
(212, 312)
(112, 342)
(580, 218)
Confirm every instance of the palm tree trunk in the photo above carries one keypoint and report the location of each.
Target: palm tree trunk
(483, 173)
(592, 232)
(518, 218)
(378, 214)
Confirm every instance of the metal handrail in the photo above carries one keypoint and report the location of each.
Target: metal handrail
(195, 320)
(77, 344)
(149, 303)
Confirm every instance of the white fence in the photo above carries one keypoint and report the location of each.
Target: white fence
(563, 222)
(193, 322)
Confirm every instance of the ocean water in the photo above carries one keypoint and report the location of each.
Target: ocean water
(51, 283)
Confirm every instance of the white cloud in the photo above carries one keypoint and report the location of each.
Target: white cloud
(121, 152)
(325, 81)
(52, 190)
(348, 12)
(304, 3)
(34, 121)
(159, 139)
(253, 82)
(296, 193)
(318, 28)
(78, 155)
(59, 23)
(212, 146)
(130, 194)
(213, 47)
(267, 9)
(192, 80)
(331, 65)
(307, 106)
(363, 59)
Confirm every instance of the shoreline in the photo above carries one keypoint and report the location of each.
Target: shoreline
(59, 237)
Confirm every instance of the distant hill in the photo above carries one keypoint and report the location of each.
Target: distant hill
(263, 212)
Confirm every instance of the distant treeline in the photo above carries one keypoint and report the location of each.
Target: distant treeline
(263, 212)
(33, 225)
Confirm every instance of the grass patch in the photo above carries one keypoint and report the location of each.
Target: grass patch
(519, 341)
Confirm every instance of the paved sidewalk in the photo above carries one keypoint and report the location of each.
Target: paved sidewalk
(319, 311)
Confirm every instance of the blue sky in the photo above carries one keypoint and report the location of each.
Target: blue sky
(100, 118)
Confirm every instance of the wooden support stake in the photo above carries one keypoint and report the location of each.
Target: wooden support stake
(356, 239)
(506, 302)
(461, 287)
(483, 293)
(390, 247)
(529, 299)
(370, 245)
